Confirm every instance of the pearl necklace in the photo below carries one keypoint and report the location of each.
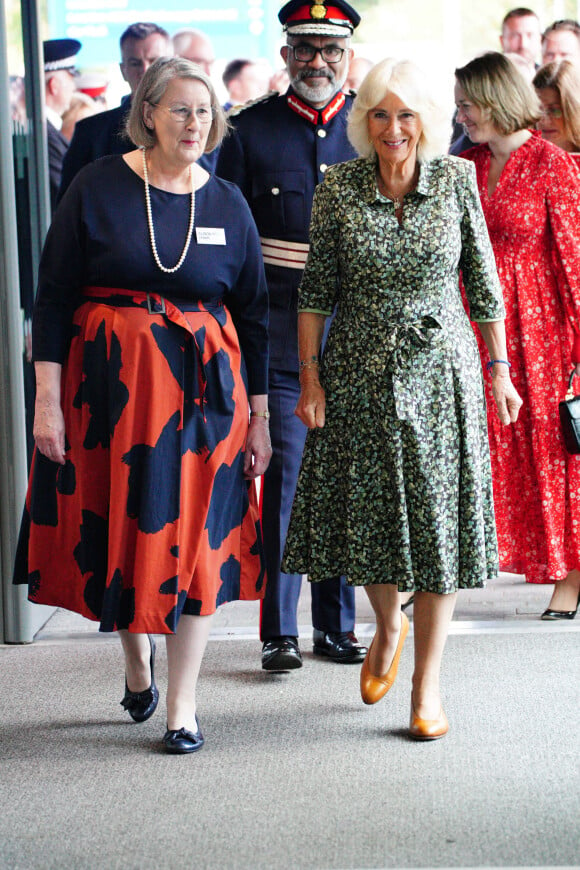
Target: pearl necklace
(150, 222)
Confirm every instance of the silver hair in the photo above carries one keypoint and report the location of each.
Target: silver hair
(151, 89)
(410, 84)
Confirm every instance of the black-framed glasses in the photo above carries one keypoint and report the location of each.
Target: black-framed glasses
(329, 53)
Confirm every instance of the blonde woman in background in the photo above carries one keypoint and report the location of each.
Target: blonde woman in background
(530, 194)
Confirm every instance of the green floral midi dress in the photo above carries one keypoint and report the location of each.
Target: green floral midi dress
(396, 487)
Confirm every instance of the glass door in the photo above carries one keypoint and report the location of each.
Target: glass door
(23, 225)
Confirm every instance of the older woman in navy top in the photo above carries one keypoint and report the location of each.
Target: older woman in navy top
(151, 419)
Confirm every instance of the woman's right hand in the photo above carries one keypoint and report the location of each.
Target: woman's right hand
(311, 407)
(49, 429)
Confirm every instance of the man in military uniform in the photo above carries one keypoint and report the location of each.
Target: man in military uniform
(59, 87)
(279, 151)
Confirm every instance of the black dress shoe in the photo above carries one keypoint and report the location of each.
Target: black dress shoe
(561, 614)
(341, 647)
(281, 654)
(182, 741)
(142, 705)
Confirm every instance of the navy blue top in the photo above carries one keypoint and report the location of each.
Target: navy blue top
(99, 237)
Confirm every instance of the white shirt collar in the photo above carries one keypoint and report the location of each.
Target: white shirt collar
(53, 117)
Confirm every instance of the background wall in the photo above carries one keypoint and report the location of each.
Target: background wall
(438, 34)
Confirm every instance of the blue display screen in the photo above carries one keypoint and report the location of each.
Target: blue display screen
(237, 28)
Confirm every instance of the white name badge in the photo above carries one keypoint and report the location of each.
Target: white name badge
(210, 235)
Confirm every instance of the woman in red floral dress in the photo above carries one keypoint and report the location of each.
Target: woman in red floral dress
(530, 193)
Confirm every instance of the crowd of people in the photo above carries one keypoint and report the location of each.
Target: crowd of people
(317, 285)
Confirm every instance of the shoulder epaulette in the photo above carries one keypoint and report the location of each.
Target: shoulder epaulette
(237, 110)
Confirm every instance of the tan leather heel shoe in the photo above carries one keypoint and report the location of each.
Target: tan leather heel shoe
(428, 729)
(372, 688)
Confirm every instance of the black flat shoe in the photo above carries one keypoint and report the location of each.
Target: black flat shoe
(142, 705)
(561, 614)
(281, 654)
(182, 741)
(341, 647)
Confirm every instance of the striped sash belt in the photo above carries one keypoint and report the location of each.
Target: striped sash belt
(289, 255)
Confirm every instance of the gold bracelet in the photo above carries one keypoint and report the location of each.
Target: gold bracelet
(265, 414)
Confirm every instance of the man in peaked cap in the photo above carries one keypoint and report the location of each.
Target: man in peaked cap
(279, 151)
(59, 87)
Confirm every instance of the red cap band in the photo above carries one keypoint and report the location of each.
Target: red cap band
(317, 12)
(93, 92)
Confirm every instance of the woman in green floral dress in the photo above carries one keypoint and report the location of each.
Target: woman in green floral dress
(395, 485)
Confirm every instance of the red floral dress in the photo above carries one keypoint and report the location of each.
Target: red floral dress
(533, 218)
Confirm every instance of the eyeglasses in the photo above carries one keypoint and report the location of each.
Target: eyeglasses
(552, 112)
(305, 53)
(184, 114)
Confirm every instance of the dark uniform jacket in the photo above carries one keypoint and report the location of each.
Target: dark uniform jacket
(277, 154)
(57, 148)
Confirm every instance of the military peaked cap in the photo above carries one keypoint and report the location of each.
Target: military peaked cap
(335, 18)
(60, 54)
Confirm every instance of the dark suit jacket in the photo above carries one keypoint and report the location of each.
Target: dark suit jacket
(94, 137)
(460, 141)
(458, 146)
(57, 148)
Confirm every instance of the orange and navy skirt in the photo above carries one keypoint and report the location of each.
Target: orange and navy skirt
(151, 516)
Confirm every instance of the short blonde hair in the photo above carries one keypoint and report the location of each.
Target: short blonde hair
(496, 85)
(564, 78)
(151, 89)
(409, 84)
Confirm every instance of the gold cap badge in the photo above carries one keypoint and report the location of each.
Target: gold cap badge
(318, 11)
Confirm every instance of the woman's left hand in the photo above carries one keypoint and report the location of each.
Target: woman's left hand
(506, 397)
(258, 448)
